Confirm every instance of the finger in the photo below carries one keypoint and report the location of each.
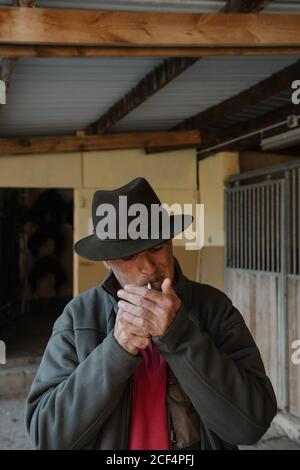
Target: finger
(167, 287)
(141, 326)
(137, 310)
(141, 301)
(132, 328)
(140, 343)
(150, 294)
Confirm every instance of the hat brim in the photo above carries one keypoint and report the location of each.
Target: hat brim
(94, 249)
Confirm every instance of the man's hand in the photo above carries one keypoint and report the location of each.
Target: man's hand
(149, 310)
(129, 336)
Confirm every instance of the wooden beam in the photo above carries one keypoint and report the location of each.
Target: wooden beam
(154, 81)
(261, 91)
(74, 51)
(40, 26)
(37, 145)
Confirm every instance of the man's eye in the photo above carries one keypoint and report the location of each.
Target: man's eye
(157, 248)
(128, 258)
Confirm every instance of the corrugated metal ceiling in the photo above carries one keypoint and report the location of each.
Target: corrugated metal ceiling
(200, 6)
(58, 96)
(132, 5)
(208, 82)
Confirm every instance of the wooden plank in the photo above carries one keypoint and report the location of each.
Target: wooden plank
(239, 293)
(94, 28)
(294, 334)
(255, 295)
(267, 327)
(75, 51)
(35, 145)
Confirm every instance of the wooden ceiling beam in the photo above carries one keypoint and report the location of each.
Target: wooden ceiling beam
(50, 144)
(53, 27)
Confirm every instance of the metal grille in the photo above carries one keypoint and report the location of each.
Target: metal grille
(294, 261)
(254, 226)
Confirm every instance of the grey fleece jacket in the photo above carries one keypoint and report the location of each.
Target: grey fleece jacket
(81, 395)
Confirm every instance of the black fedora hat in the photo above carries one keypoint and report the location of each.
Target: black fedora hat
(110, 209)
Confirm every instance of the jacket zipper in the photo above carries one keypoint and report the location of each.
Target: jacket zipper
(172, 434)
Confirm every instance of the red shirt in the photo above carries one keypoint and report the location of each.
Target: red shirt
(149, 423)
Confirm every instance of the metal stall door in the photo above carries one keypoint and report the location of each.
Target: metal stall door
(256, 270)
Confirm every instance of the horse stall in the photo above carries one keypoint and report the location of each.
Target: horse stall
(262, 268)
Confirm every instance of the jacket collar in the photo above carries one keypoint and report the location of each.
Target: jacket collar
(111, 285)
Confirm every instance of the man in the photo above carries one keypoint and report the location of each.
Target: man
(148, 359)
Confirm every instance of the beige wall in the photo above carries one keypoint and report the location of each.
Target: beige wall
(256, 160)
(59, 170)
(113, 168)
(213, 172)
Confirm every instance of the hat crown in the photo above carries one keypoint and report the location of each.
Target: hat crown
(137, 191)
(129, 234)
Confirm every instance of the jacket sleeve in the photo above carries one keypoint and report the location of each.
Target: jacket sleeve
(222, 374)
(69, 401)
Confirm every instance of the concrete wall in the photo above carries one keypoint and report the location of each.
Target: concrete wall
(213, 172)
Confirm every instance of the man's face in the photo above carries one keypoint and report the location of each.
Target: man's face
(148, 266)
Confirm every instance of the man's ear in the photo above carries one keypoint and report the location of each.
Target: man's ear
(106, 264)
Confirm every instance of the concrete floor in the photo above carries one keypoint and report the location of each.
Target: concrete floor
(12, 429)
(13, 434)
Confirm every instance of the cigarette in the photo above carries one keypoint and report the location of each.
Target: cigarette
(149, 285)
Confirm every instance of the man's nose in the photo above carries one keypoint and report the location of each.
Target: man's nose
(147, 265)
